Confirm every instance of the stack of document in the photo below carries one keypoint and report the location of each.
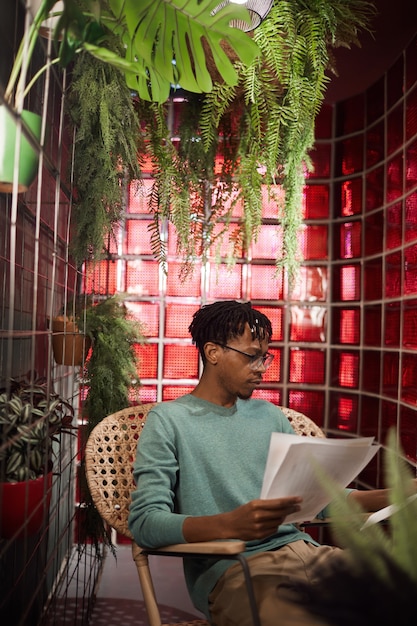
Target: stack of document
(292, 468)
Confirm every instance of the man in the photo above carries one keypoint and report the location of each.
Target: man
(199, 474)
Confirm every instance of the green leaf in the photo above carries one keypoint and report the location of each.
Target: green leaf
(168, 37)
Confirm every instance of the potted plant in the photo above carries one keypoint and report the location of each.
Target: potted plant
(111, 378)
(32, 416)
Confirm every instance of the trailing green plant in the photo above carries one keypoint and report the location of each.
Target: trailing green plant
(374, 580)
(263, 127)
(107, 147)
(111, 378)
(111, 372)
(32, 416)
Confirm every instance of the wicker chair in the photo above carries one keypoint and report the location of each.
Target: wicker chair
(109, 456)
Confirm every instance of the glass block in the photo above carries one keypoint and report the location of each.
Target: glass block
(373, 279)
(375, 144)
(410, 64)
(411, 114)
(148, 360)
(346, 326)
(409, 379)
(350, 240)
(139, 192)
(347, 283)
(268, 244)
(308, 323)
(313, 241)
(411, 166)
(307, 366)
(343, 412)
(265, 282)
(389, 419)
(409, 326)
(395, 82)
(371, 371)
(350, 114)
(411, 217)
(316, 201)
(393, 275)
(390, 380)
(392, 324)
(395, 125)
(100, 278)
(180, 361)
(270, 395)
(311, 403)
(226, 241)
(345, 369)
(374, 233)
(375, 101)
(350, 197)
(178, 317)
(189, 287)
(320, 157)
(170, 392)
(273, 373)
(275, 315)
(369, 407)
(272, 202)
(147, 313)
(394, 219)
(138, 239)
(394, 178)
(408, 432)
(374, 189)
(142, 277)
(349, 156)
(225, 282)
(323, 124)
(310, 284)
(372, 325)
(410, 270)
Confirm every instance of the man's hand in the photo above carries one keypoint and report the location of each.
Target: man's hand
(255, 520)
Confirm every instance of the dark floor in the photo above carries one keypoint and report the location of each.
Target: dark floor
(119, 598)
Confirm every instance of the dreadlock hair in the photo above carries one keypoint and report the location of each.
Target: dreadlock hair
(221, 321)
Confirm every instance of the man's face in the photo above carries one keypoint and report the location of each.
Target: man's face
(236, 371)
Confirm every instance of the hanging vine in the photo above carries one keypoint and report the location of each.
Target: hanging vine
(261, 131)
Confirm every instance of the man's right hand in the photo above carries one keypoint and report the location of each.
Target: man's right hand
(255, 520)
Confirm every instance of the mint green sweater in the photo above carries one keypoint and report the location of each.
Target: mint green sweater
(198, 458)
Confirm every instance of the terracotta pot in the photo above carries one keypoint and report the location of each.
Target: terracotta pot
(24, 506)
(70, 347)
(28, 158)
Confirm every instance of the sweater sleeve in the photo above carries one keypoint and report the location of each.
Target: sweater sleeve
(152, 518)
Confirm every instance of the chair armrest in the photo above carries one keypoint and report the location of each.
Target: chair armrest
(222, 548)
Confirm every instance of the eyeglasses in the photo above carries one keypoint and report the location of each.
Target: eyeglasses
(256, 361)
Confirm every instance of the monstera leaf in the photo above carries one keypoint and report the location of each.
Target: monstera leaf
(166, 43)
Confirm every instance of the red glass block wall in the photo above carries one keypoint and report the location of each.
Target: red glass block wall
(372, 384)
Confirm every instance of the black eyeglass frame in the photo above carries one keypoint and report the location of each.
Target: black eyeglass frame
(256, 361)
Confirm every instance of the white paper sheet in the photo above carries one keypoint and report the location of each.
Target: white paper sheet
(292, 462)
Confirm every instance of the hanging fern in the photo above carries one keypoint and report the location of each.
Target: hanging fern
(263, 126)
(107, 143)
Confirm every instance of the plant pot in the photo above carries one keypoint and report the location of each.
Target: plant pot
(70, 347)
(24, 506)
(28, 161)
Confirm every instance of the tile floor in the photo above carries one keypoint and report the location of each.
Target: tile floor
(119, 598)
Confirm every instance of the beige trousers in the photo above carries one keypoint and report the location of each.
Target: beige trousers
(273, 575)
